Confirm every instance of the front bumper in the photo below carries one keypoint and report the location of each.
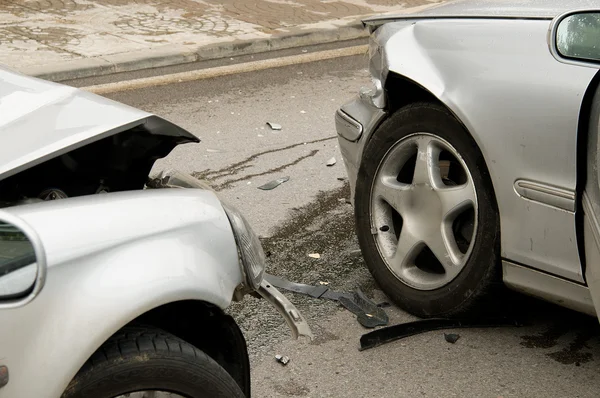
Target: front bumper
(355, 123)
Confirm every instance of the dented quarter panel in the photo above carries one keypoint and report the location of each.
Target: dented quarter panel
(520, 105)
(111, 258)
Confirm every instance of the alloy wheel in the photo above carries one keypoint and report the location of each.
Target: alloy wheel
(423, 211)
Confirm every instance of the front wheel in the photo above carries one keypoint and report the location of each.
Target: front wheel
(144, 362)
(426, 214)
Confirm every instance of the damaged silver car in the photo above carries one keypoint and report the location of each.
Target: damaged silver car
(113, 283)
(473, 158)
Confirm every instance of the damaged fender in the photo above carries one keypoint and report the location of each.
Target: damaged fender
(105, 270)
(479, 78)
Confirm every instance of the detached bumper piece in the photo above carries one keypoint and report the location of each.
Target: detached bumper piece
(290, 313)
(367, 313)
(397, 332)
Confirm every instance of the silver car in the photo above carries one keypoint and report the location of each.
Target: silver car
(113, 283)
(473, 158)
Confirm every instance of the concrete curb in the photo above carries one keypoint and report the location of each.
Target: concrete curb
(176, 55)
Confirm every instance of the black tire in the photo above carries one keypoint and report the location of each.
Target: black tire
(145, 358)
(480, 276)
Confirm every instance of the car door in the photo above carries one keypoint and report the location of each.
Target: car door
(575, 38)
(590, 202)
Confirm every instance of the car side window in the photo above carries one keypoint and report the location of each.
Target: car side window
(578, 36)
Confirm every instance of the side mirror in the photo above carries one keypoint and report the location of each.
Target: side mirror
(22, 262)
(575, 38)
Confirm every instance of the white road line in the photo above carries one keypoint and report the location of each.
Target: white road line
(225, 70)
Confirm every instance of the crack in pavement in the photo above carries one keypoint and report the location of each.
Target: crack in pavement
(237, 167)
(229, 183)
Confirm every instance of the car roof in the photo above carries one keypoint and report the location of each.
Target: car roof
(522, 9)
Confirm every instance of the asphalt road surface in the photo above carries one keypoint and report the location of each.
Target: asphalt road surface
(556, 353)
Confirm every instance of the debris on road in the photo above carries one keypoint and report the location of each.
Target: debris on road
(210, 150)
(400, 331)
(331, 162)
(314, 255)
(273, 184)
(322, 283)
(282, 359)
(366, 311)
(451, 337)
(341, 178)
(274, 126)
(302, 111)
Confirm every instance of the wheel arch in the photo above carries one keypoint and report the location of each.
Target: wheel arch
(402, 91)
(206, 327)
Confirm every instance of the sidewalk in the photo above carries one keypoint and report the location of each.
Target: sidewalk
(66, 39)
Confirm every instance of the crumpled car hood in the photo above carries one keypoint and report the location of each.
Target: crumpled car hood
(40, 120)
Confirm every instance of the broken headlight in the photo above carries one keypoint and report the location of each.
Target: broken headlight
(252, 256)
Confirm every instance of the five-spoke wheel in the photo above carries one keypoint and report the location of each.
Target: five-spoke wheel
(426, 215)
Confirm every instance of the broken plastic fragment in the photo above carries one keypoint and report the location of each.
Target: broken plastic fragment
(302, 111)
(451, 337)
(314, 255)
(210, 150)
(403, 330)
(282, 359)
(274, 126)
(323, 283)
(273, 184)
(366, 311)
(331, 162)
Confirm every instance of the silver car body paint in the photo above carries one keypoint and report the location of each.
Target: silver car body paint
(534, 9)
(42, 120)
(518, 102)
(111, 258)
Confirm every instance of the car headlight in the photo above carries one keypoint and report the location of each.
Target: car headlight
(251, 253)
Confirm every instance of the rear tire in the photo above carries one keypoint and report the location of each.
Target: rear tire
(143, 359)
(473, 283)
